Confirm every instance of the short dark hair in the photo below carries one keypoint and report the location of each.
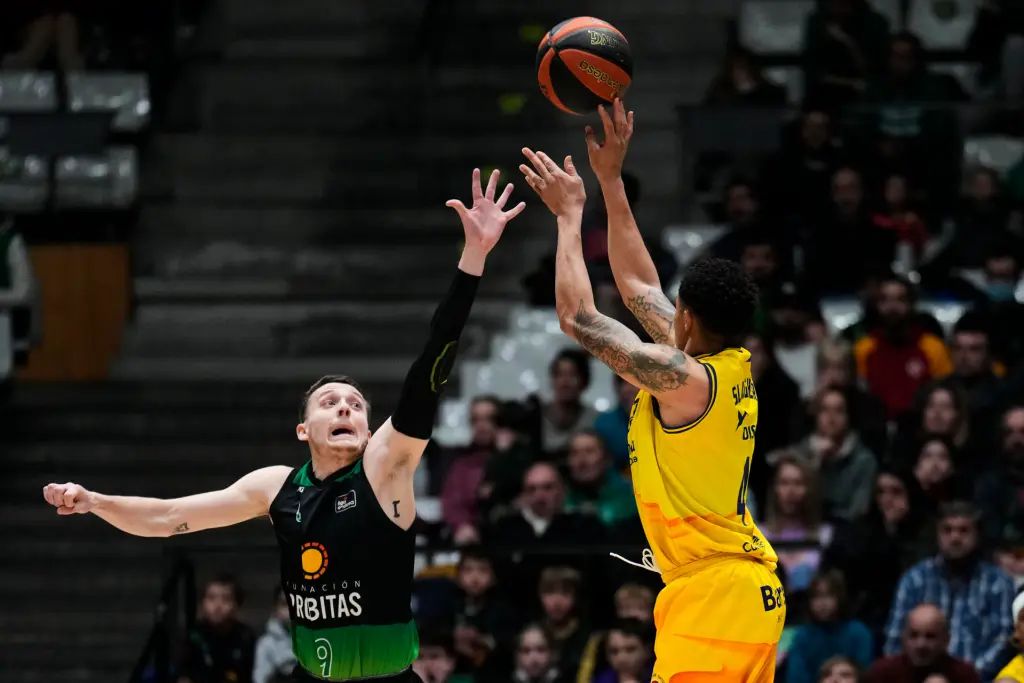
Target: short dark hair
(330, 379)
(959, 508)
(559, 580)
(973, 321)
(486, 398)
(231, 581)
(437, 634)
(721, 295)
(476, 553)
(833, 581)
(579, 359)
(636, 628)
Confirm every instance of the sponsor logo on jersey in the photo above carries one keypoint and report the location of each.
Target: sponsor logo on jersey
(773, 598)
(755, 544)
(744, 389)
(327, 601)
(345, 501)
(740, 417)
(314, 560)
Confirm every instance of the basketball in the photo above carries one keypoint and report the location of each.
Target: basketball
(583, 62)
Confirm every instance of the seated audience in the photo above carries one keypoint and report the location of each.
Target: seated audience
(535, 661)
(741, 82)
(436, 660)
(844, 46)
(460, 497)
(1000, 490)
(560, 600)
(629, 647)
(593, 486)
(566, 413)
(976, 594)
(274, 654)
(839, 670)
(483, 622)
(613, 424)
(974, 371)
(829, 633)
(219, 648)
(837, 369)
(923, 652)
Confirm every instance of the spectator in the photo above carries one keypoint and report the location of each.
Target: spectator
(613, 424)
(839, 670)
(845, 247)
(935, 470)
(778, 422)
(535, 663)
(981, 222)
(846, 466)
(565, 414)
(559, 591)
(925, 644)
(898, 357)
(901, 219)
(1000, 490)
(503, 474)
(998, 285)
(274, 654)
(594, 487)
(50, 28)
(741, 82)
(940, 410)
(793, 514)
(17, 286)
(974, 369)
(219, 648)
(460, 497)
(436, 660)
(540, 525)
(1014, 671)
(796, 327)
(742, 206)
(830, 632)
(634, 601)
(836, 369)
(799, 178)
(483, 622)
(844, 46)
(875, 551)
(629, 647)
(759, 257)
(975, 593)
(1009, 555)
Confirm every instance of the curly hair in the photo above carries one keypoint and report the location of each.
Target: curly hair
(721, 295)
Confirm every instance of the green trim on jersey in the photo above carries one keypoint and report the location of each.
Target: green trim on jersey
(304, 477)
(329, 653)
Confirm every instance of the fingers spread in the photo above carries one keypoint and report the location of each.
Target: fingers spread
(492, 184)
(606, 121)
(570, 167)
(504, 196)
(591, 136)
(459, 207)
(619, 112)
(549, 164)
(538, 165)
(515, 211)
(477, 193)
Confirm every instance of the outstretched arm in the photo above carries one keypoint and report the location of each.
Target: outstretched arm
(663, 370)
(634, 271)
(399, 443)
(247, 498)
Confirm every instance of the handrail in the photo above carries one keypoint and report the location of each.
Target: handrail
(158, 643)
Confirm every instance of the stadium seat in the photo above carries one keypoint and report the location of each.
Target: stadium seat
(789, 77)
(686, 242)
(27, 91)
(24, 185)
(892, 11)
(774, 26)
(965, 73)
(995, 151)
(942, 25)
(127, 94)
(110, 180)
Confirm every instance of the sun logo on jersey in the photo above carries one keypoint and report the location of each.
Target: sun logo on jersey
(314, 560)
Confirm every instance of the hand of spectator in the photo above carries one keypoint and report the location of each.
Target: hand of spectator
(607, 158)
(69, 499)
(466, 535)
(561, 191)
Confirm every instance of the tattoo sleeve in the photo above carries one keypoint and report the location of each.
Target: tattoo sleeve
(655, 312)
(657, 368)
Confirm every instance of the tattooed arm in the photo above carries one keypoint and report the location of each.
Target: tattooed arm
(247, 498)
(634, 271)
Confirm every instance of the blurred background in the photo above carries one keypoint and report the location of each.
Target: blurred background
(205, 205)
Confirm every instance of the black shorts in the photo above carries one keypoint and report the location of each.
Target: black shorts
(300, 675)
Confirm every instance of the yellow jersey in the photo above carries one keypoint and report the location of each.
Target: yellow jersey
(690, 481)
(1014, 671)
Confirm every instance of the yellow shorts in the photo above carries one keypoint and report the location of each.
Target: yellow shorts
(721, 623)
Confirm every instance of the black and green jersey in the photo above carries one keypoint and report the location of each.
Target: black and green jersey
(347, 571)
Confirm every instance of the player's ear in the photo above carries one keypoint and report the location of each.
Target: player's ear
(300, 432)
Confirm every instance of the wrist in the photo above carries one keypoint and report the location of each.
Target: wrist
(610, 180)
(473, 260)
(97, 501)
(570, 217)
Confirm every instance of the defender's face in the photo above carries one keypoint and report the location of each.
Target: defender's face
(336, 420)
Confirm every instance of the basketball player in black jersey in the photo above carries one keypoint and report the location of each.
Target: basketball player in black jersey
(342, 519)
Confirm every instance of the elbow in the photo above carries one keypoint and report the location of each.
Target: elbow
(565, 323)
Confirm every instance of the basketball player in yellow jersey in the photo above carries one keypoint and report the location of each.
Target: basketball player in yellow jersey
(691, 431)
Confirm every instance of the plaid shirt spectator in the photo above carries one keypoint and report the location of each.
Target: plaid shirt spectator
(979, 611)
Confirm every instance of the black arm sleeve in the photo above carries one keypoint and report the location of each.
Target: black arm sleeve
(421, 391)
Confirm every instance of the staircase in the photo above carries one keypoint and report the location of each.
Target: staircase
(296, 227)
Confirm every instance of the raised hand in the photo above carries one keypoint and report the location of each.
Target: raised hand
(606, 157)
(69, 499)
(485, 222)
(561, 190)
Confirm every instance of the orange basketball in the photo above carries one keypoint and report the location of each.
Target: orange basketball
(583, 62)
